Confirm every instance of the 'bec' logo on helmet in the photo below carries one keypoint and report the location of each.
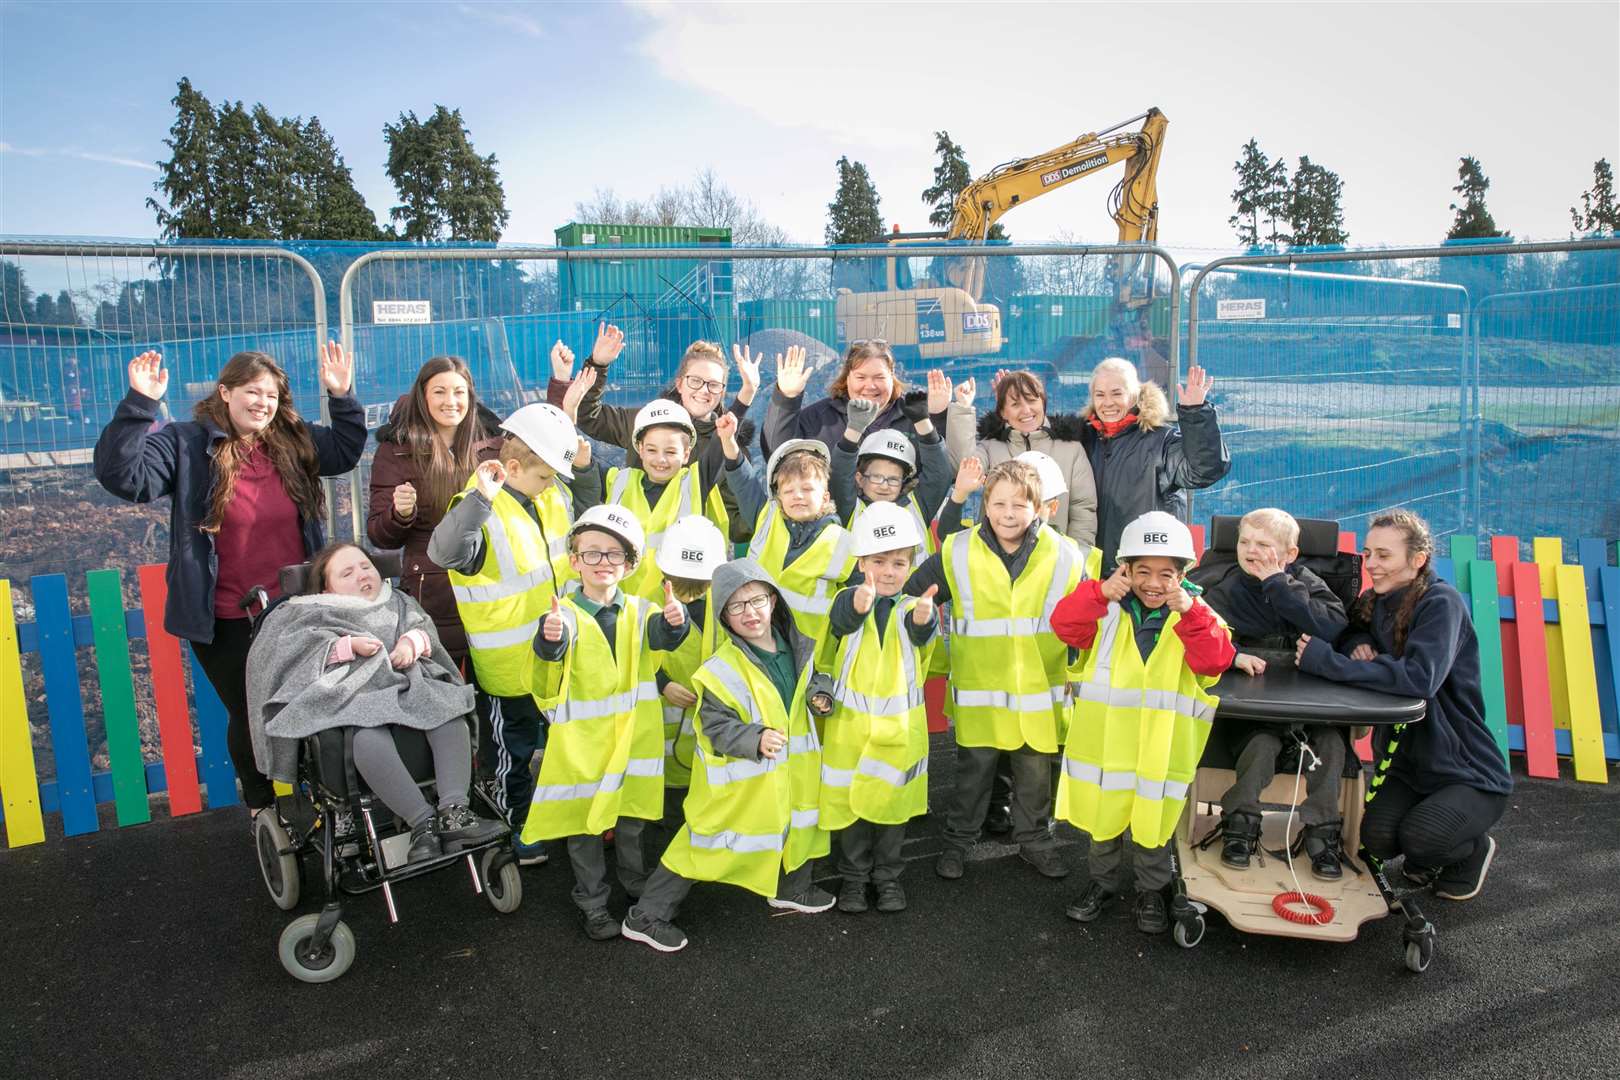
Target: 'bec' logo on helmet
(1156, 538)
(693, 555)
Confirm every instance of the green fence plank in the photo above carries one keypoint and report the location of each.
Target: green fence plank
(118, 695)
(1464, 550)
(1488, 626)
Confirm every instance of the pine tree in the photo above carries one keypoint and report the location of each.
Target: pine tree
(446, 191)
(1473, 220)
(1314, 212)
(187, 180)
(67, 312)
(951, 177)
(1249, 197)
(1597, 213)
(853, 216)
(1275, 198)
(16, 298)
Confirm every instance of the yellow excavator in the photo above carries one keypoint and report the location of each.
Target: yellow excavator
(924, 318)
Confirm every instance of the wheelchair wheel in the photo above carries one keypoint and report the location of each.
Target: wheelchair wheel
(1418, 955)
(1189, 933)
(328, 964)
(283, 877)
(503, 889)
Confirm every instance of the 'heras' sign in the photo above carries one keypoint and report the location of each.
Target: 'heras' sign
(401, 311)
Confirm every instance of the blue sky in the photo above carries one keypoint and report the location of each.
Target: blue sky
(574, 97)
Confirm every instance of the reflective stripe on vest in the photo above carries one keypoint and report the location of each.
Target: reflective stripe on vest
(610, 783)
(1088, 773)
(571, 709)
(962, 597)
(878, 770)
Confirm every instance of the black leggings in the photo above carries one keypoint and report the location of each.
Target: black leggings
(224, 661)
(1440, 829)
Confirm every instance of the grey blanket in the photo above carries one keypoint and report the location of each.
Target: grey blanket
(293, 693)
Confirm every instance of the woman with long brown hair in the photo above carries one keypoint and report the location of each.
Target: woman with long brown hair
(246, 500)
(437, 435)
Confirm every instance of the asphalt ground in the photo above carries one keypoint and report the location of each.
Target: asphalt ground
(151, 951)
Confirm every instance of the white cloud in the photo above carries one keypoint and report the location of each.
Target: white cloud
(82, 155)
(505, 17)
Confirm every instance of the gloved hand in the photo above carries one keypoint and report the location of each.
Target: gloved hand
(818, 694)
(915, 405)
(861, 413)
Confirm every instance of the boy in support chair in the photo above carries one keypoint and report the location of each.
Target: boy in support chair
(598, 651)
(504, 542)
(874, 768)
(1142, 712)
(1268, 606)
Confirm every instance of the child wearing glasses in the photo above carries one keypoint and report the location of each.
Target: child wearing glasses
(598, 653)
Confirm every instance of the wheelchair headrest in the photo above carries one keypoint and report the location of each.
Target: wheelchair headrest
(294, 578)
(1317, 536)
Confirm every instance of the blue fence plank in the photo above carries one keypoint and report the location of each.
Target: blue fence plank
(1561, 741)
(215, 760)
(63, 703)
(1594, 558)
(1609, 586)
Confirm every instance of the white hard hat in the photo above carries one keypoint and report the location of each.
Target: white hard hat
(547, 431)
(814, 446)
(891, 444)
(884, 526)
(691, 548)
(1053, 486)
(661, 412)
(1156, 533)
(615, 519)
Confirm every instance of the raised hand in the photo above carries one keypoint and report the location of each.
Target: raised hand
(1195, 391)
(337, 369)
(1268, 564)
(966, 390)
(609, 344)
(403, 654)
(491, 476)
(1364, 652)
(1299, 649)
(1117, 585)
(1181, 600)
(582, 454)
(969, 478)
(923, 610)
(405, 501)
(791, 376)
(577, 389)
(679, 696)
(365, 646)
(562, 362)
(726, 429)
(1249, 664)
(551, 627)
(748, 368)
(858, 416)
(939, 392)
(995, 379)
(147, 376)
(674, 613)
(865, 596)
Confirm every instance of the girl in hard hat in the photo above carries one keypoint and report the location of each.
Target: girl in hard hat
(752, 818)
(874, 771)
(1009, 679)
(797, 537)
(598, 654)
(691, 549)
(1142, 713)
(504, 542)
(1443, 783)
(890, 466)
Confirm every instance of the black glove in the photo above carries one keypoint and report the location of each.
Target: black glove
(818, 694)
(915, 405)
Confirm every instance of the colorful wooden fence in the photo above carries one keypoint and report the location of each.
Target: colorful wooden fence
(1549, 634)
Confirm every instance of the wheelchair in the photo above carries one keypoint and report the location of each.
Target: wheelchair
(329, 814)
(1268, 897)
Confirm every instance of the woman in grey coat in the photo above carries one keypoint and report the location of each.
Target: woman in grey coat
(354, 652)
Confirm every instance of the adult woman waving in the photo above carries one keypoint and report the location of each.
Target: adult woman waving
(436, 437)
(1442, 782)
(1140, 460)
(699, 386)
(244, 480)
(868, 379)
(1018, 424)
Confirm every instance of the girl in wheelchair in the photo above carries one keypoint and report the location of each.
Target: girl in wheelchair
(354, 652)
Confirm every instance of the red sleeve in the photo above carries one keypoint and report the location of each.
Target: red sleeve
(555, 389)
(1208, 643)
(1074, 619)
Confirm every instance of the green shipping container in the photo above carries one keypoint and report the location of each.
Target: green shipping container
(815, 318)
(632, 283)
(1037, 320)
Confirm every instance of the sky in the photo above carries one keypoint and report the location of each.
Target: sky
(633, 96)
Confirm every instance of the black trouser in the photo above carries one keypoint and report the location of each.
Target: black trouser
(511, 730)
(224, 661)
(588, 856)
(868, 852)
(1435, 830)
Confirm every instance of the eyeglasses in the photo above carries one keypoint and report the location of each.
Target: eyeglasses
(883, 482)
(694, 383)
(596, 557)
(753, 603)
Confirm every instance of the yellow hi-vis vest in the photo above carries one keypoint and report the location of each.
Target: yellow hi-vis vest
(682, 496)
(747, 821)
(1009, 672)
(808, 584)
(524, 565)
(874, 760)
(680, 730)
(604, 754)
(1138, 732)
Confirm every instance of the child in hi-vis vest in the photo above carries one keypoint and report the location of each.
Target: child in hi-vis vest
(1142, 712)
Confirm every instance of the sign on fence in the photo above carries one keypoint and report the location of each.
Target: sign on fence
(1240, 309)
(401, 312)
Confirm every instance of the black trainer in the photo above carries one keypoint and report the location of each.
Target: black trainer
(1151, 916)
(950, 865)
(1463, 880)
(998, 821)
(459, 827)
(600, 926)
(890, 897)
(1048, 861)
(852, 898)
(424, 843)
(1326, 849)
(1241, 835)
(1090, 904)
(655, 933)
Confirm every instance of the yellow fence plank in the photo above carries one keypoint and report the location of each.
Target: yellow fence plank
(1585, 718)
(19, 782)
(1549, 553)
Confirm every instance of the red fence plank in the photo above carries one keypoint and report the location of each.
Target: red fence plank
(1540, 750)
(169, 693)
(1505, 553)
